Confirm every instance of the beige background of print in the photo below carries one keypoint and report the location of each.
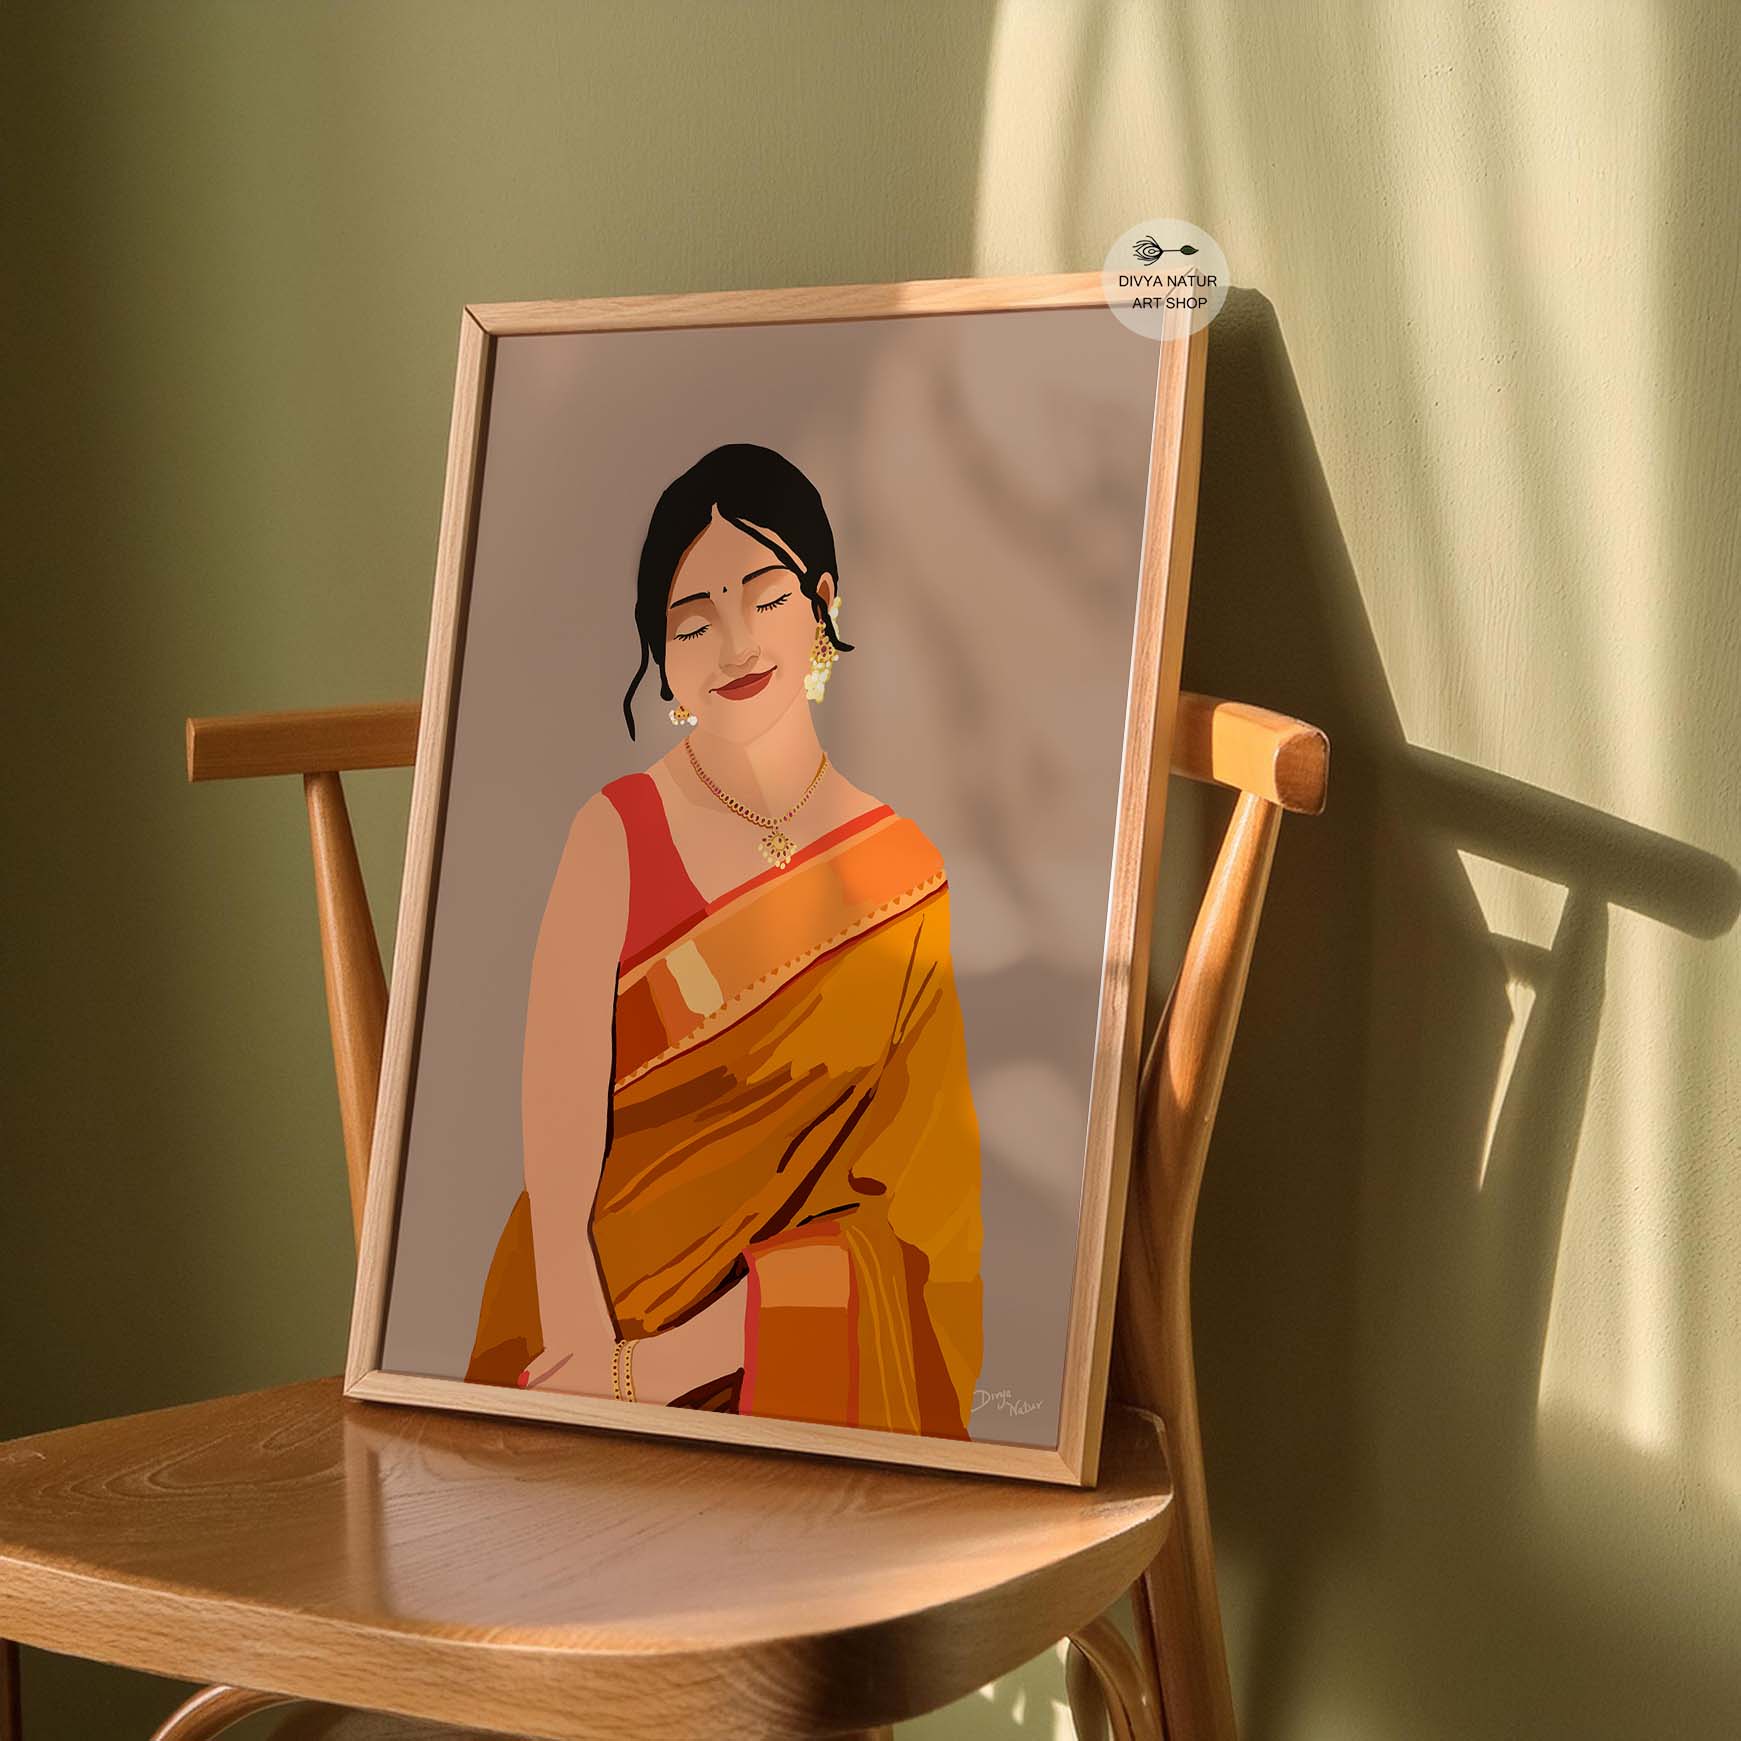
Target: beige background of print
(984, 475)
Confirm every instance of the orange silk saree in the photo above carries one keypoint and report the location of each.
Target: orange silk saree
(790, 1099)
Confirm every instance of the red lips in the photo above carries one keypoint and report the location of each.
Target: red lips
(742, 688)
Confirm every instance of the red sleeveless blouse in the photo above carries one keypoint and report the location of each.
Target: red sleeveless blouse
(663, 902)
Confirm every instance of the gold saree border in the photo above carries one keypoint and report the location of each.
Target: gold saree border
(718, 971)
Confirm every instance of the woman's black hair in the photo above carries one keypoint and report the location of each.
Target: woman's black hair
(753, 487)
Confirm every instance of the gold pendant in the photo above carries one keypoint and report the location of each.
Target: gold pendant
(777, 848)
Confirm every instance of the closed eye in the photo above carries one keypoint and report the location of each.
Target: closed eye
(774, 603)
(690, 634)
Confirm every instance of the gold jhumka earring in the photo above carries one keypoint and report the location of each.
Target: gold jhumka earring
(823, 654)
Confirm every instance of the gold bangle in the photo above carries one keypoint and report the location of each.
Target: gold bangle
(622, 1370)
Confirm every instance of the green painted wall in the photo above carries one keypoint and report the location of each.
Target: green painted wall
(1470, 1253)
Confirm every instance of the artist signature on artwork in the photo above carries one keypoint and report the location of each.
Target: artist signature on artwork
(1005, 1400)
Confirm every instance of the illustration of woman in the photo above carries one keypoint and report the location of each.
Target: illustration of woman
(751, 1154)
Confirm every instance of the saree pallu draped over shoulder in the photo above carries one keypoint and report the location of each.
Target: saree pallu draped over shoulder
(791, 1100)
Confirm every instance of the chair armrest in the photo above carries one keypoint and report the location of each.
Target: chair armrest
(328, 740)
(1281, 760)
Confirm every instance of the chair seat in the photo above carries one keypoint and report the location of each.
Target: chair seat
(549, 1580)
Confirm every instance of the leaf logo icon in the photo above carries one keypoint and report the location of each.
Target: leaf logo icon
(1148, 250)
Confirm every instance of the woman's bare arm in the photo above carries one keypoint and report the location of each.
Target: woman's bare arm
(565, 1088)
(565, 1091)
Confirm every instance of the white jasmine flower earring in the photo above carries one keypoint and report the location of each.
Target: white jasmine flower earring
(680, 715)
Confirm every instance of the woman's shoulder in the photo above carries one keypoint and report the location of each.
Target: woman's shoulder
(598, 832)
(631, 811)
(848, 800)
(629, 806)
(864, 813)
(592, 870)
(624, 790)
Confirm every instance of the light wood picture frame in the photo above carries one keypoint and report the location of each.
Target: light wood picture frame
(1078, 443)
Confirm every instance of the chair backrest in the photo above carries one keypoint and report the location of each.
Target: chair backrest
(1273, 763)
(321, 746)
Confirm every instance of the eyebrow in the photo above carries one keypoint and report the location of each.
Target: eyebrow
(701, 597)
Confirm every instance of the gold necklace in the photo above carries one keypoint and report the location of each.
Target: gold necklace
(777, 846)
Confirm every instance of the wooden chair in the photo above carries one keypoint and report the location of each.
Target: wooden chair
(543, 1580)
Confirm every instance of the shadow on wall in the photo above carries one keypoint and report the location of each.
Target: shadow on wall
(1382, 1215)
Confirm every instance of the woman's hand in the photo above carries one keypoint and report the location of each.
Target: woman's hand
(664, 1367)
(704, 1348)
(575, 1361)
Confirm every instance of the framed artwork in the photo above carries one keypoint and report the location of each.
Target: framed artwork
(769, 981)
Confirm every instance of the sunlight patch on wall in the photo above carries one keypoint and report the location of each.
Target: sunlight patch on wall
(1078, 94)
(1616, 1330)
(1522, 532)
(1523, 912)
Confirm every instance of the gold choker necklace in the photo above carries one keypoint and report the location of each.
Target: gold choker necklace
(777, 846)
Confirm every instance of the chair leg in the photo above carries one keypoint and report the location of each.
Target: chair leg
(1178, 1607)
(1119, 1676)
(11, 1693)
(212, 1710)
(1090, 1714)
